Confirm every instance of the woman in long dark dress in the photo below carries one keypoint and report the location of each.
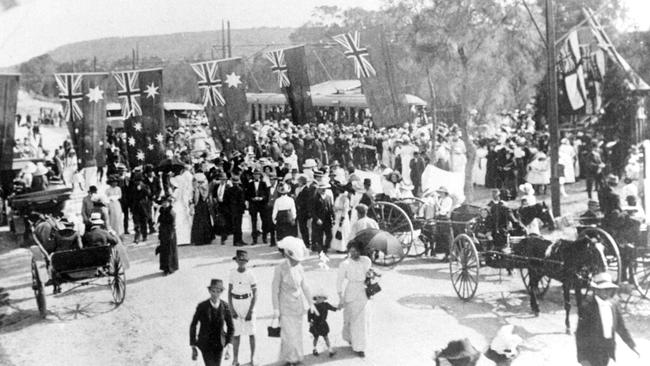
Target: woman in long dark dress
(167, 235)
(202, 232)
(491, 167)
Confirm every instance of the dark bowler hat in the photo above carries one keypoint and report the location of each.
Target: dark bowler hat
(215, 283)
(241, 255)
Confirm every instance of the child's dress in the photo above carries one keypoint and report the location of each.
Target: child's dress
(318, 326)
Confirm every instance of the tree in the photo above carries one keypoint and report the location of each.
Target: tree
(37, 75)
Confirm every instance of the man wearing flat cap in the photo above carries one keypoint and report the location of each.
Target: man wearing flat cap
(212, 315)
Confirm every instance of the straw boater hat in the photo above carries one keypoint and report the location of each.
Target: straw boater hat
(527, 188)
(603, 281)
(612, 179)
(96, 219)
(310, 163)
(235, 179)
(241, 255)
(293, 248)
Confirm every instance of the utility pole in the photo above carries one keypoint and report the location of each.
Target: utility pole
(133, 58)
(223, 39)
(94, 63)
(552, 108)
(434, 118)
(229, 41)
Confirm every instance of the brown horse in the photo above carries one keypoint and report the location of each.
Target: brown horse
(570, 262)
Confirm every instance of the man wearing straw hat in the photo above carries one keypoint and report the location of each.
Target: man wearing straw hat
(212, 315)
(322, 216)
(242, 296)
(599, 320)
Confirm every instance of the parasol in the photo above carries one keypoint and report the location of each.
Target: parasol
(170, 165)
(378, 240)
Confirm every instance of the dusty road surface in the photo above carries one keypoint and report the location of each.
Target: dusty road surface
(416, 313)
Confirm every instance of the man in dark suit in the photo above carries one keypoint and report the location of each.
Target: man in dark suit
(257, 194)
(155, 188)
(87, 205)
(499, 219)
(304, 192)
(322, 215)
(268, 227)
(234, 203)
(599, 319)
(212, 314)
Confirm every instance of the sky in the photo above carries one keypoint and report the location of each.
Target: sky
(35, 27)
(638, 15)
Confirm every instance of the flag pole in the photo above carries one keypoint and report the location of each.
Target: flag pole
(552, 109)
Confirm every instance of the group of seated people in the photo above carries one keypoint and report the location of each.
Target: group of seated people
(65, 237)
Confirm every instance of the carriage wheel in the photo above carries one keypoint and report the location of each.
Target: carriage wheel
(394, 220)
(117, 281)
(464, 266)
(641, 266)
(39, 291)
(415, 206)
(542, 285)
(612, 256)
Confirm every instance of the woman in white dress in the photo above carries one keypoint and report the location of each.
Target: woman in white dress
(406, 154)
(115, 214)
(290, 294)
(182, 197)
(458, 154)
(342, 219)
(480, 164)
(567, 156)
(351, 288)
(69, 167)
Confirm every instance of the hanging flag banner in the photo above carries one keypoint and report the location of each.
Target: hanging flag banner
(224, 87)
(571, 71)
(140, 92)
(373, 65)
(359, 55)
(83, 97)
(604, 42)
(290, 65)
(9, 84)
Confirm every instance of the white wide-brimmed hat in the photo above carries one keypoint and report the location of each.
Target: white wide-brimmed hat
(506, 342)
(294, 248)
(310, 163)
(603, 280)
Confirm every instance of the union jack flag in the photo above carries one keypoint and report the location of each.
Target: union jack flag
(129, 92)
(279, 67)
(210, 82)
(70, 94)
(362, 67)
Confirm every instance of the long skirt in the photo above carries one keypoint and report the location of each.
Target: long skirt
(285, 226)
(168, 250)
(202, 224)
(291, 348)
(355, 319)
(344, 228)
(116, 217)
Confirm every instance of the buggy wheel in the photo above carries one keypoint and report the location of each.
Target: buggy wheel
(415, 209)
(39, 291)
(464, 266)
(394, 220)
(608, 248)
(117, 281)
(542, 285)
(641, 267)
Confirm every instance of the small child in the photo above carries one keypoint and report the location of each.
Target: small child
(318, 326)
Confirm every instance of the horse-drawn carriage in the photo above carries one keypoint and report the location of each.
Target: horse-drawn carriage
(82, 266)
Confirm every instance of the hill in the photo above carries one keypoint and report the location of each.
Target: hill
(173, 47)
